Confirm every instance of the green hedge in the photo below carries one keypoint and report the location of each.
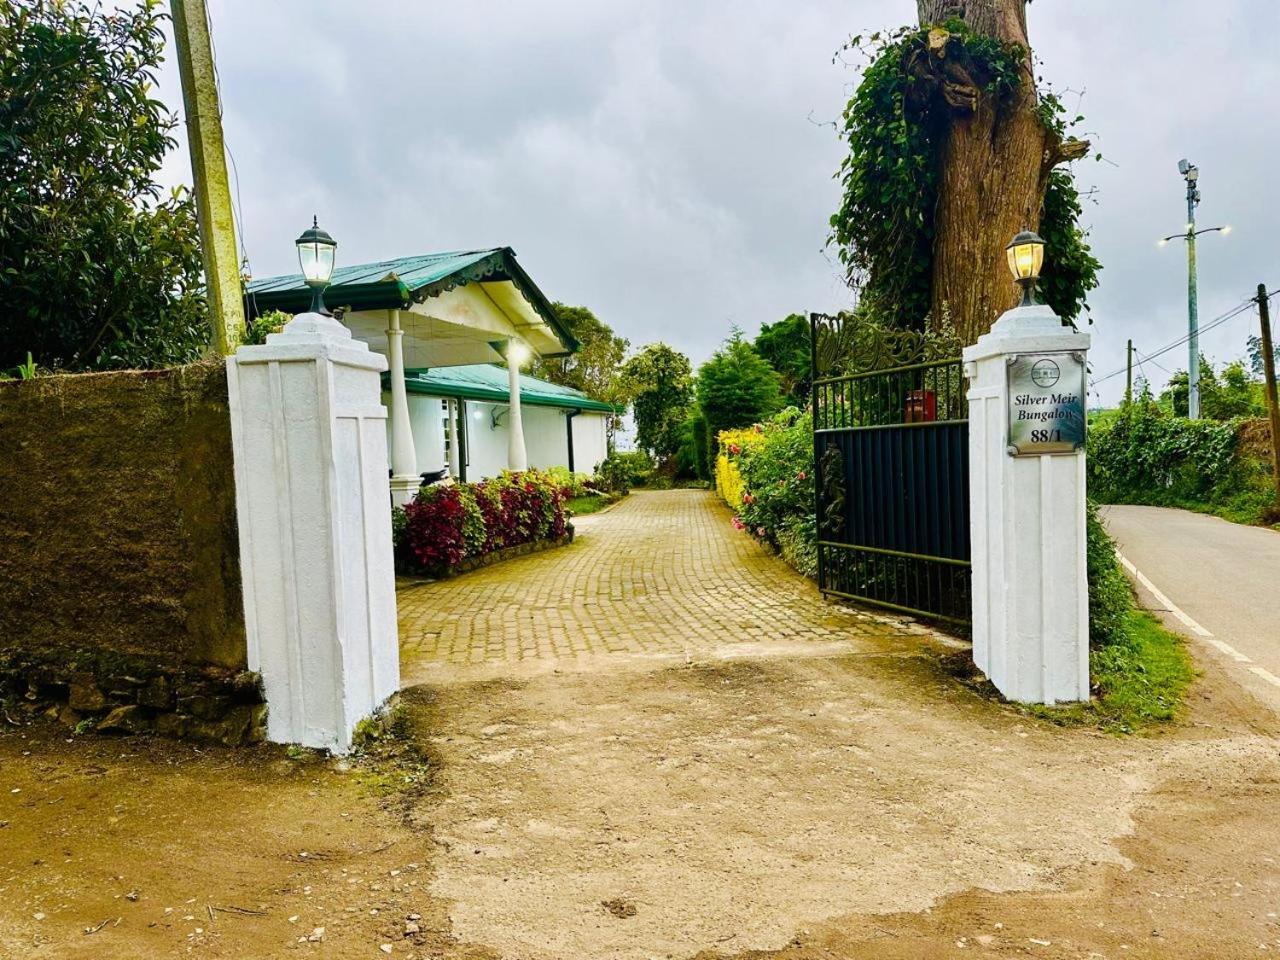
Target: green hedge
(1144, 456)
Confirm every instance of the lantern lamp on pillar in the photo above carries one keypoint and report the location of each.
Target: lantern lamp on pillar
(1026, 257)
(316, 250)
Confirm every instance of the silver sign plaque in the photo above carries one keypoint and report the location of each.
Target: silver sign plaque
(1046, 403)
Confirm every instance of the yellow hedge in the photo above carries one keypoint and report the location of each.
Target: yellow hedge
(728, 477)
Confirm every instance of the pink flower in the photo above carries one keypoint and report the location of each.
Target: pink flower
(748, 498)
(734, 449)
(759, 531)
(738, 524)
(801, 475)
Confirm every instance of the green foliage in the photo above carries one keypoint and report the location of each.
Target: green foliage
(1256, 360)
(1146, 456)
(594, 368)
(895, 126)
(785, 345)
(262, 326)
(735, 388)
(572, 484)
(622, 471)
(1070, 270)
(1110, 597)
(691, 458)
(588, 503)
(96, 270)
(1237, 393)
(658, 382)
(778, 496)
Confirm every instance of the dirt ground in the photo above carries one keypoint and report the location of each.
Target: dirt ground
(835, 806)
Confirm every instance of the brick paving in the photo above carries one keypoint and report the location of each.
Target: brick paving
(662, 572)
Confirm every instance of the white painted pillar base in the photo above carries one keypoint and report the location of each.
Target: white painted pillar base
(309, 434)
(1027, 521)
(517, 458)
(405, 479)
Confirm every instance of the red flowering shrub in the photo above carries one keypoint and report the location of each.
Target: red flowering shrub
(433, 526)
(448, 523)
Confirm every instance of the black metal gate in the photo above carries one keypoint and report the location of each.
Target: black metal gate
(891, 455)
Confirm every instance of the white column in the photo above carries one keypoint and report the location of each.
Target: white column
(1027, 524)
(405, 478)
(451, 433)
(517, 459)
(309, 434)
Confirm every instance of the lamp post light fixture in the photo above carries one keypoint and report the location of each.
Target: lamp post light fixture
(316, 250)
(1191, 173)
(1026, 256)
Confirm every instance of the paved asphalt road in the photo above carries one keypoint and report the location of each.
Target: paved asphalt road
(1224, 576)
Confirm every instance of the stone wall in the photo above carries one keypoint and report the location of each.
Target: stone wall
(120, 598)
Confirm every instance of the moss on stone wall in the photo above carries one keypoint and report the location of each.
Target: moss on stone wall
(117, 519)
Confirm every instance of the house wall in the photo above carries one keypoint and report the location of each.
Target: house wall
(426, 422)
(486, 446)
(546, 439)
(590, 441)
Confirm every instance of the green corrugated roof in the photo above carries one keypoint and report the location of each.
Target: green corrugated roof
(485, 381)
(392, 284)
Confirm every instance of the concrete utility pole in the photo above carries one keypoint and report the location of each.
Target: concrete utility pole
(209, 172)
(1192, 175)
(1128, 374)
(1269, 370)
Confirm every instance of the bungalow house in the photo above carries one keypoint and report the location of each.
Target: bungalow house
(443, 320)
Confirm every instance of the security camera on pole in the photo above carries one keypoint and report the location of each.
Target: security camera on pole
(1027, 496)
(1191, 173)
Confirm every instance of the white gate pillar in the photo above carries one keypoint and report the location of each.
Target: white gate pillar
(1027, 506)
(307, 425)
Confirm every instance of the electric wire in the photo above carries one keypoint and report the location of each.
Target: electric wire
(1204, 328)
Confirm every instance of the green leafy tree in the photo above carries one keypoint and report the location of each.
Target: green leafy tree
(1254, 351)
(736, 388)
(97, 269)
(658, 383)
(594, 368)
(1232, 394)
(785, 345)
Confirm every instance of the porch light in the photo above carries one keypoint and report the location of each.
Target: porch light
(1026, 256)
(517, 352)
(316, 251)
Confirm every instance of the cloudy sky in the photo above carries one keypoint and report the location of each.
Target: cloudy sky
(669, 164)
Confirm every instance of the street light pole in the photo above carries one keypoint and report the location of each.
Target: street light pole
(1192, 175)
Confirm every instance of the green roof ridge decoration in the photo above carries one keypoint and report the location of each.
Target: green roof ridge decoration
(395, 284)
(488, 382)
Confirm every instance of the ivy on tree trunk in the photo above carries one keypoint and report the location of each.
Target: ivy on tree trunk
(995, 156)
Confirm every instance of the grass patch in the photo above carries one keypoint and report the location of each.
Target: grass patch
(1140, 679)
(588, 503)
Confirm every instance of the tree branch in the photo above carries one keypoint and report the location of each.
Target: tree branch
(1064, 151)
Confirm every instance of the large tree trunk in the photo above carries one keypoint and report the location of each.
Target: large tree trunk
(995, 160)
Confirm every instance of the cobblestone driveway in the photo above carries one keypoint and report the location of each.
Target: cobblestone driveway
(661, 574)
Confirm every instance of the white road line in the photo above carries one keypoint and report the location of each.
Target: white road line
(1200, 631)
(1266, 675)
